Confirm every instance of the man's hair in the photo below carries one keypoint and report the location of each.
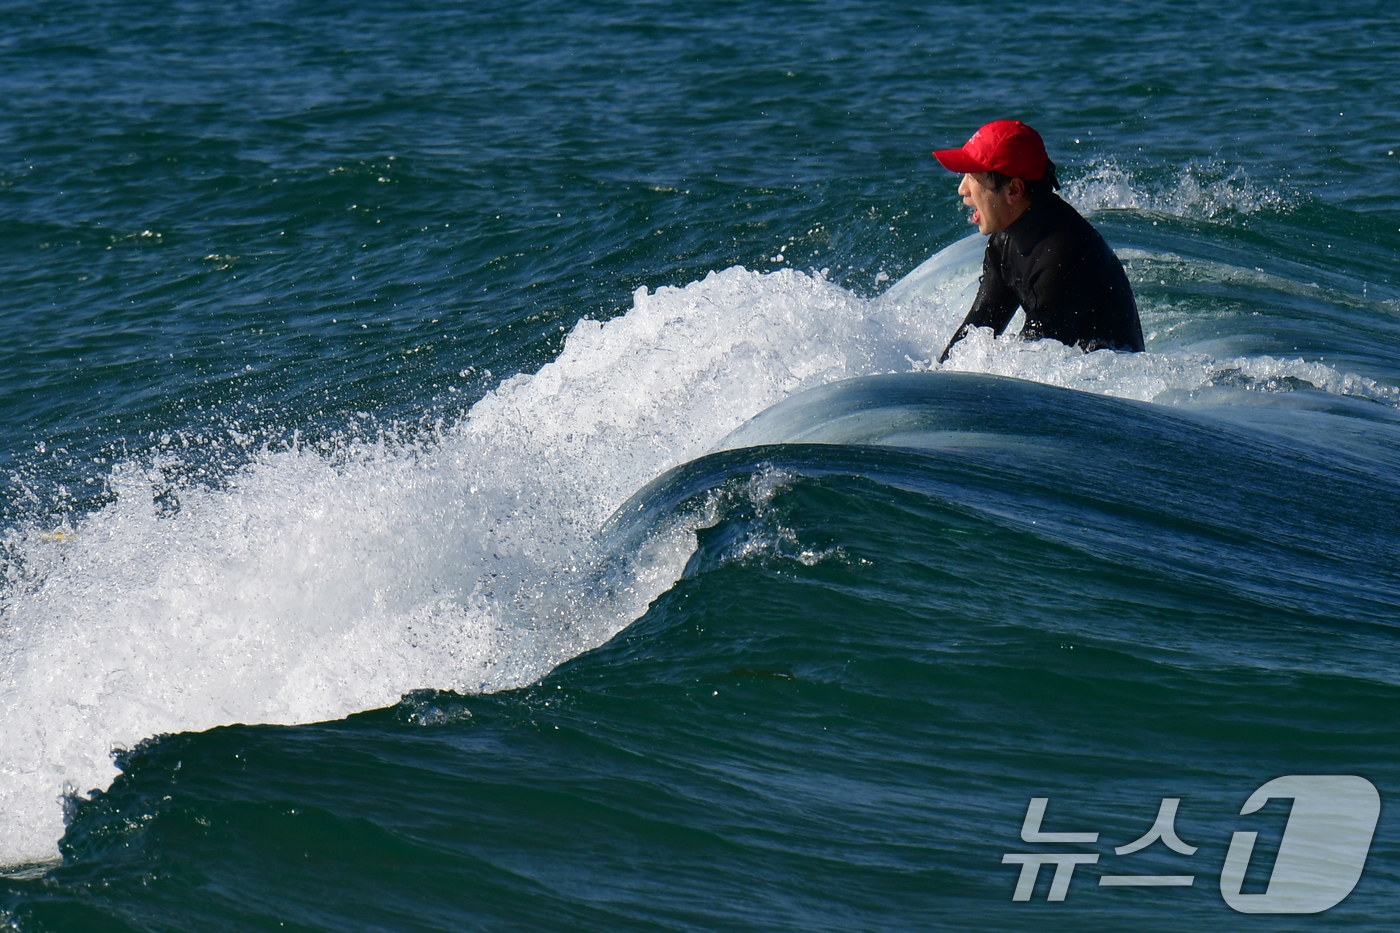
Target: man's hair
(1034, 189)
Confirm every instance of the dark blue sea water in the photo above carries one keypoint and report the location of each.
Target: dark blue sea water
(480, 467)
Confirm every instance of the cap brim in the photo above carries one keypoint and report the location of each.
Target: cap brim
(957, 160)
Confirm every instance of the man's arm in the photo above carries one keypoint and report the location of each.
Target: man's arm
(994, 307)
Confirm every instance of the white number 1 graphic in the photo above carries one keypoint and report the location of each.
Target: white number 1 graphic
(1324, 846)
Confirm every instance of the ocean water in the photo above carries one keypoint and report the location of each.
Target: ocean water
(482, 467)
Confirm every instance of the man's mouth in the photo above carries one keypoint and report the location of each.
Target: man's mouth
(976, 216)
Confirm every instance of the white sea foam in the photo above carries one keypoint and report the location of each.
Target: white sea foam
(1151, 376)
(1200, 190)
(309, 588)
(312, 587)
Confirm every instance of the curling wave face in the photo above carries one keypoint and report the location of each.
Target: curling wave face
(311, 585)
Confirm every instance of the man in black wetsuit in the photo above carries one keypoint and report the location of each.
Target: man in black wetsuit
(1041, 255)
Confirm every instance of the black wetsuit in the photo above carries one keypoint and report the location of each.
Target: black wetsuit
(1057, 267)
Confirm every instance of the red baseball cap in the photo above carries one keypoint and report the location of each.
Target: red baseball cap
(1006, 146)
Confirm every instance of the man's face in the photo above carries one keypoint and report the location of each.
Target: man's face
(992, 211)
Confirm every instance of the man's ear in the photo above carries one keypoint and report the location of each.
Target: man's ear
(1015, 191)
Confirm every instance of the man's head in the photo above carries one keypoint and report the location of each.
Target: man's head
(1004, 169)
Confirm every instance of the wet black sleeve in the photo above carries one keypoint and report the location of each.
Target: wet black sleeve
(995, 305)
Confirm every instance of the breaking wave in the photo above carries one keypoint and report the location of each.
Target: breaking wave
(310, 584)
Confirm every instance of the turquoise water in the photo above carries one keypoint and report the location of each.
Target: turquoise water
(387, 543)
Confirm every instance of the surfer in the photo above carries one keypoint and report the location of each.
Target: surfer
(1041, 254)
